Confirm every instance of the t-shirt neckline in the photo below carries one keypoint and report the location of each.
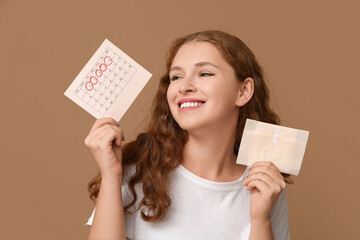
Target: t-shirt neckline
(208, 183)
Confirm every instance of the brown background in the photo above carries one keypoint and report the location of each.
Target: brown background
(309, 51)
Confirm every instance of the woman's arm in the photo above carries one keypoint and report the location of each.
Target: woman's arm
(104, 141)
(109, 220)
(261, 230)
(266, 184)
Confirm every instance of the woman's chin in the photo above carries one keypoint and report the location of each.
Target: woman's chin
(191, 126)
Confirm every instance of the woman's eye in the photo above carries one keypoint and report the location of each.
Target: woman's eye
(205, 74)
(174, 78)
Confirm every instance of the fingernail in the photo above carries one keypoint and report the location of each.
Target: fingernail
(117, 122)
(123, 137)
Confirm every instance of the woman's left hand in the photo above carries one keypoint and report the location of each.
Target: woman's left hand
(265, 183)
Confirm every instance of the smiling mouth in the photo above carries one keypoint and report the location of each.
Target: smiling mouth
(190, 104)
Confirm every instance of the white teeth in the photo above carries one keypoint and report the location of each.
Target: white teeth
(190, 104)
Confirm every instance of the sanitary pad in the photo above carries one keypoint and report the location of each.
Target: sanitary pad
(283, 146)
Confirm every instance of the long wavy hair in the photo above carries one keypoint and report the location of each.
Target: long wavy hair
(158, 151)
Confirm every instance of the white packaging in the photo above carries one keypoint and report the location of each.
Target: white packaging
(283, 146)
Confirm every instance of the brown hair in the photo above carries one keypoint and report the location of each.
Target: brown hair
(158, 151)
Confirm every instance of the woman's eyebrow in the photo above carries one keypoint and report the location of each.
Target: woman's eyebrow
(199, 64)
(175, 68)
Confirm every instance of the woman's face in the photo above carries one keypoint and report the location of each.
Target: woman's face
(203, 91)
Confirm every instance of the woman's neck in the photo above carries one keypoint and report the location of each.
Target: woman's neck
(211, 155)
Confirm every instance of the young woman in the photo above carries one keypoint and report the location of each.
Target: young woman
(179, 179)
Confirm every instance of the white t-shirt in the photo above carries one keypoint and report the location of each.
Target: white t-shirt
(203, 209)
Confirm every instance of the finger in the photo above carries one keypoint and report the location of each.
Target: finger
(100, 128)
(271, 170)
(274, 173)
(276, 185)
(103, 133)
(112, 135)
(273, 180)
(107, 138)
(102, 121)
(268, 166)
(117, 134)
(260, 176)
(258, 184)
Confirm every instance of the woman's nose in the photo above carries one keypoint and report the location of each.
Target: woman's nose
(187, 86)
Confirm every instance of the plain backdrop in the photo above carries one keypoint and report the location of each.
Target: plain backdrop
(310, 54)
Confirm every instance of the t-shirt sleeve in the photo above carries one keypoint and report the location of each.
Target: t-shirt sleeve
(91, 218)
(280, 218)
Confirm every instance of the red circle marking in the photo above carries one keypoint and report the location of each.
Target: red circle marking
(92, 81)
(104, 65)
(111, 61)
(86, 86)
(96, 72)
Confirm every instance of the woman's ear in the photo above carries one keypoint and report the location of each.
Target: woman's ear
(246, 92)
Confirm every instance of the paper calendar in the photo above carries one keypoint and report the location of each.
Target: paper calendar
(109, 83)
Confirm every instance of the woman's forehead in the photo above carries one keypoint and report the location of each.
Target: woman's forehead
(197, 53)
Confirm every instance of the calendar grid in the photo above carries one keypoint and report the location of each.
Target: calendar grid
(105, 81)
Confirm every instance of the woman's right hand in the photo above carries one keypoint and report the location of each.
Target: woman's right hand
(104, 142)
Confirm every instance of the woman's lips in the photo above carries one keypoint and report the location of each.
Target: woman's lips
(190, 104)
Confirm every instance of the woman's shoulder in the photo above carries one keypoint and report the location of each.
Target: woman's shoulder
(128, 172)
